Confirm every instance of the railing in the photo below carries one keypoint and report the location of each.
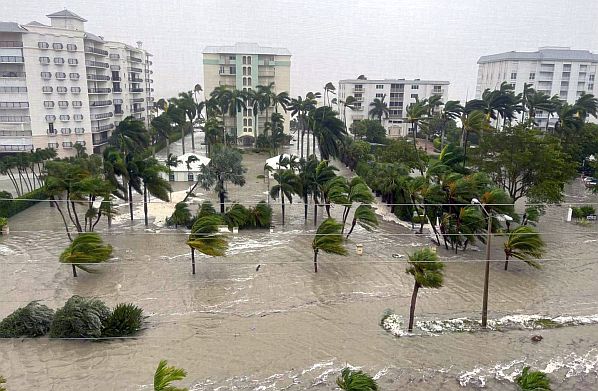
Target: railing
(99, 90)
(14, 105)
(135, 89)
(11, 59)
(100, 103)
(98, 77)
(12, 90)
(15, 118)
(16, 148)
(138, 109)
(118, 112)
(96, 64)
(136, 70)
(101, 141)
(102, 115)
(15, 133)
(137, 100)
(116, 78)
(118, 90)
(135, 59)
(11, 44)
(102, 128)
(134, 80)
(12, 74)
(89, 49)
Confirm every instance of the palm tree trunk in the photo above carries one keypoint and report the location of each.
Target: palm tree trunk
(506, 261)
(315, 211)
(66, 226)
(316, 260)
(74, 270)
(192, 260)
(192, 137)
(307, 144)
(305, 206)
(412, 307)
(352, 227)
(183, 137)
(130, 200)
(313, 139)
(282, 198)
(221, 196)
(145, 204)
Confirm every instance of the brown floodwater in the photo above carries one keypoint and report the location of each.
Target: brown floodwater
(284, 327)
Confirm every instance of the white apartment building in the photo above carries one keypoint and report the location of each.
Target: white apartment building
(244, 66)
(552, 70)
(61, 86)
(398, 95)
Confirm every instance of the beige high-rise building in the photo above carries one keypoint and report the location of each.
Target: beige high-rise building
(244, 66)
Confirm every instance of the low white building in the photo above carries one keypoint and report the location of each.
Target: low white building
(184, 172)
(274, 162)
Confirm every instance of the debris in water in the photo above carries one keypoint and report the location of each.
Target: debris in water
(257, 269)
(537, 338)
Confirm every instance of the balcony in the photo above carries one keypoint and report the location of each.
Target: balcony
(100, 141)
(116, 78)
(135, 90)
(15, 119)
(118, 112)
(438, 92)
(137, 100)
(138, 109)
(102, 116)
(136, 70)
(102, 128)
(100, 103)
(98, 77)
(16, 148)
(10, 74)
(12, 59)
(15, 133)
(99, 90)
(96, 64)
(134, 59)
(14, 105)
(358, 90)
(118, 90)
(11, 44)
(89, 49)
(135, 80)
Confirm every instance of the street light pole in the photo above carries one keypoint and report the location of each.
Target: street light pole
(486, 273)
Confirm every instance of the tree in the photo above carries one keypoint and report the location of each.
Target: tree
(288, 184)
(415, 114)
(329, 88)
(205, 237)
(357, 192)
(329, 130)
(187, 103)
(533, 380)
(378, 109)
(524, 243)
(181, 215)
(329, 239)
(213, 130)
(165, 375)
(351, 380)
(86, 249)
(299, 108)
(426, 268)
(150, 171)
(324, 173)
(163, 126)
(224, 167)
(371, 130)
(350, 102)
(364, 216)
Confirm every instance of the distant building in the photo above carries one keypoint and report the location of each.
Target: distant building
(184, 172)
(398, 95)
(61, 86)
(552, 70)
(244, 66)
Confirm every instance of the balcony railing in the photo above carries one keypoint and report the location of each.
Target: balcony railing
(135, 80)
(17, 59)
(14, 105)
(96, 64)
(116, 78)
(15, 118)
(102, 115)
(89, 49)
(16, 148)
(99, 90)
(118, 90)
(102, 128)
(138, 109)
(135, 89)
(136, 70)
(15, 133)
(100, 103)
(137, 100)
(98, 77)
(100, 141)
(135, 59)
(13, 74)
(11, 44)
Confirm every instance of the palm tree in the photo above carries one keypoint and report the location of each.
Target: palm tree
(350, 102)
(329, 131)
(206, 238)
(415, 113)
(586, 105)
(150, 173)
(267, 92)
(323, 175)
(329, 88)
(181, 214)
(222, 98)
(357, 192)
(524, 243)
(187, 103)
(213, 130)
(351, 380)
(300, 107)
(165, 375)
(379, 108)
(257, 103)
(86, 248)
(533, 380)
(329, 239)
(472, 122)
(426, 268)
(281, 99)
(288, 184)
(364, 216)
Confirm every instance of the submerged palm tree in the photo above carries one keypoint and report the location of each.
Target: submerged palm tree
(206, 238)
(351, 380)
(426, 269)
(87, 248)
(365, 217)
(328, 239)
(524, 243)
(165, 375)
(288, 184)
(533, 380)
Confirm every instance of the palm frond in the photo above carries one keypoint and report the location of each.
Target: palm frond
(165, 375)
(329, 238)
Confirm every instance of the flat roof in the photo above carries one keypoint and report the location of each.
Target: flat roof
(393, 81)
(542, 54)
(247, 48)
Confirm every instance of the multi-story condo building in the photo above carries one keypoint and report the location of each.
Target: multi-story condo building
(398, 95)
(61, 86)
(245, 66)
(552, 70)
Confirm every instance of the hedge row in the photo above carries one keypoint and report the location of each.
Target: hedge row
(9, 208)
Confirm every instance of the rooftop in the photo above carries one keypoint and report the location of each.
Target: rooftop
(66, 14)
(194, 166)
(543, 54)
(11, 27)
(393, 81)
(246, 48)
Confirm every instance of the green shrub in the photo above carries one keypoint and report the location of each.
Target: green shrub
(533, 380)
(126, 319)
(260, 216)
(3, 222)
(180, 216)
(583, 212)
(10, 208)
(418, 219)
(437, 144)
(2, 381)
(237, 216)
(33, 320)
(79, 318)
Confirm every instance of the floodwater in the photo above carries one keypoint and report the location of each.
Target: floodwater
(284, 327)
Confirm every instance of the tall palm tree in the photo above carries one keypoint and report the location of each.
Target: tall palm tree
(206, 238)
(349, 102)
(351, 380)
(165, 375)
(86, 249)
(586, 105)
(426, 268)
(257, 103)
(324, 173)
(357, 192)
(281, 99)
(379, 108)
(415, 114)
(552, 108)
(150, 171)
(524, 243)
(288, 184)
(329, 239)
(267, 91)
(187, 103)
(328, 130)
(222, 98)
(473, 122)
(299, 108)
(329, 88)
(451, 110)
(364, 216)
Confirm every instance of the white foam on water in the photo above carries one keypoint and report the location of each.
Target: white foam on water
(5, 250)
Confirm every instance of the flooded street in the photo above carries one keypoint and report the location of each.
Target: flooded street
(284, 327)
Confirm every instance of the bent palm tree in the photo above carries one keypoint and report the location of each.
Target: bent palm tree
(379, 109)
(205, 238)
(426, 269)
(288, 184)
(328, 239)
(87, 248)
(351, 380)
(365, 217)
(524, 243)
(165, 375)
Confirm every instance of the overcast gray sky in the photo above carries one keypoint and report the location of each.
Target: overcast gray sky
(332, 40)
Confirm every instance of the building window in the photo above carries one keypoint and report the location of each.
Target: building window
(590, 86)
(380, 95)
(51, 129)
(114, 56)
(76, 90)
(379, 86)
(61, 90)
(57, 46)
(63, 103)
(414, 96)
(566, 67)
(77, 103)
(513, 75)
(60, 75)
(43, 45)
(532, 75)
(65, 117)
(65, 130)
(50, 118)
(73, 61)
(190, 177)
(71, 47)
(48, 104)
(248, 60)
(80, 142)
(232, 58)
(358, 87)
(78, 117)
(67, 144)
(58, 60)
(244, 60)
(44, 60)
(74, 76)
(53, 145)
(171, 177)
(591, 77)
(47, 89)
(79, 130)
(232, 70)
(46, 75)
